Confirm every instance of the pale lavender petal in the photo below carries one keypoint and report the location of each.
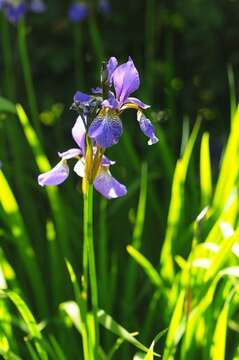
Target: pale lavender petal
(79, 168)
(81, 98)
(78, 133)
(137, 102)
(55, 176)
(147, 128)
(126, 80)
(108, 186)
(111, 66)
(106, 130)
(69, 154)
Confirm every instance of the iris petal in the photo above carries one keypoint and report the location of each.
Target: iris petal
(55, 176)
(147, 128)
(106, 131)
(137, 102)
(79, 168)
(78, 133)
(77, 12)
(15, 12)
(69, 154)
(108, 186)
(111, 66)
(126, 80)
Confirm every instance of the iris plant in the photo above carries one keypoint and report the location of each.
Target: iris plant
(16, 9)
(99, 126)
(79, 10)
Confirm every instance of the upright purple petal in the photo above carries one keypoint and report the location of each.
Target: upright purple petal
(55, 176)
(78, 133)
(147, 128)
(78, 12)
(126, 80)
(69, 154)
(106, 130)
(111, 102)
(111, 66)
(137, 102)
(105, 7)
(108, 186)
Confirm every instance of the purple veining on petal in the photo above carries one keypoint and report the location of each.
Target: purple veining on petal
(81, 98)
(106, 130)
(137, 102)
(55, 176)
(108, 186)
(69, 154)
(15, 12)
(126, 80)
(79, 168)
(78, 133)
(78, 12)
(111, 66)
(147, 128)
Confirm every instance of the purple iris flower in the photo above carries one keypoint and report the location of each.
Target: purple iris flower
(78, 12)
(105, 7)
(37, 6)
(14, 12)
(106, 129)
(103, 182)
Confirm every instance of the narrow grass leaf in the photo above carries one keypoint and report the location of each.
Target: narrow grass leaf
(7, 106)
(148, 268)
(205, 171)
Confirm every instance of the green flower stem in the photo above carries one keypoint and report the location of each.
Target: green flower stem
(89, 247)
(24, 58)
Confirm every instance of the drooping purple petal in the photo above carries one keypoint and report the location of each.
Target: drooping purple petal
(108, 186)
(15, 12)
(147, 128)
(137, 102)
(126, 80)
(111, 66)
(78, 133)
(78, 12)
(79, 168)
(81, 98)
(69, 154)
(37, 6)
(55, 176)
(106, 130)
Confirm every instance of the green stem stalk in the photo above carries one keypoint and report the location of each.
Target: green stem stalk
(24, 58)
(90, 259)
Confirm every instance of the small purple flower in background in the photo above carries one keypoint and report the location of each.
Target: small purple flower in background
(99, 126)
(15, 10)
(105, 7)
(78, 11)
